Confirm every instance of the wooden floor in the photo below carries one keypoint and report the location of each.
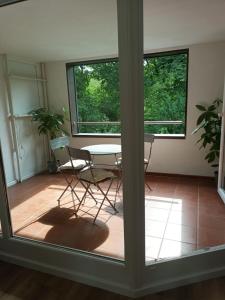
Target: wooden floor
(18, 283)
(182, 214)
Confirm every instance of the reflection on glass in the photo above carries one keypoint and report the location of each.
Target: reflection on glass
(33, 191)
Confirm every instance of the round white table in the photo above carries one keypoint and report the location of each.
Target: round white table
(103, 149)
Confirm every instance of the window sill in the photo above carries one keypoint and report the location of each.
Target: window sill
(118, 135)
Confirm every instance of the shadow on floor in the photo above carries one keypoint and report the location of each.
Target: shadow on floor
(67, 230)
(79, 233)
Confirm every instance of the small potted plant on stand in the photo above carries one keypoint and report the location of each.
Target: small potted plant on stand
(209, 123)
(51, 125)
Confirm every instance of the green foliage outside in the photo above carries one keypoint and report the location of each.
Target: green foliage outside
(97, 93)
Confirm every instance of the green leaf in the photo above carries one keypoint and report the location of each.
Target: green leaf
(198, 128)
(200, 107)
(218, 101)
(211, 107)
(201, 118)
(210, 157)
(204, 143)
(207, 156)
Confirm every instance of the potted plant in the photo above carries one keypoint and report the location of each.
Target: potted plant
(209, 123)
(51, 125)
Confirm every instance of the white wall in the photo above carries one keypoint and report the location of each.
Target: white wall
(206, 81)
(25, 95)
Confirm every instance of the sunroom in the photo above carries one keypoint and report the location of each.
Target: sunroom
(133, 96)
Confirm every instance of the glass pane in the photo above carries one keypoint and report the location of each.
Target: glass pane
(97, 97)
(165, 79)
(183, 211)
(96, 87)
(48, 205)
(165, 87)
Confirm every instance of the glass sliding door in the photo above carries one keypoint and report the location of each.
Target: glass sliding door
(165, 78)
(39, 208)
(183, 211)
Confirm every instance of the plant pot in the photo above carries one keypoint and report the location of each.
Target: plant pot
(52, 166)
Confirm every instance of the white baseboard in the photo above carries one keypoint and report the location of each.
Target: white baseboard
(64, 273)
(180, 281)
(111, 286)
(11, 183)
(27, 176)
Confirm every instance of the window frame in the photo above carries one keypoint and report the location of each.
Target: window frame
(72, 94)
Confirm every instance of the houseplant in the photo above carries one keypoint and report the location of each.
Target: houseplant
(209, 124)
(51, 125)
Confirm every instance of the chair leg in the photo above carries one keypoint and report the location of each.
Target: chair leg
(105, 198)
(73, 190)
(84, 199)
(118, 186)
(89, 191)
(146, 183)
(58, 200)
(69, 185)
(148, 186)
(74, 205)
(119, 183)
(84, 196)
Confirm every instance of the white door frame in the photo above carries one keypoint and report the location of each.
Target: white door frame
(221, 188)
(130, 25)
(131, 278)
(94, 270)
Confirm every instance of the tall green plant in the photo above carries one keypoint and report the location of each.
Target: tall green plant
(209, 123)
(50, 124)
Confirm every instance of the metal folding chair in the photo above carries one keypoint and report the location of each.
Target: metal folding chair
(91, 175)
(66, 168)
(148, 140)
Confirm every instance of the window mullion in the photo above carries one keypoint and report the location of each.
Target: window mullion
(72, 99)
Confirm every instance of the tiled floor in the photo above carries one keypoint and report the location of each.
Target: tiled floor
(182, 214)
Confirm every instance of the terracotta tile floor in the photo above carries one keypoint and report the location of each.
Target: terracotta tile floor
(182, 214)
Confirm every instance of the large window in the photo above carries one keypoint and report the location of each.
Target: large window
(94, 94)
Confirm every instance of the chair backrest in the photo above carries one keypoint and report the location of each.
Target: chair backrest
(149, 138)
(60, 142)
(75, 153)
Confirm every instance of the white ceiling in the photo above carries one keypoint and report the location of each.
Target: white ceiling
(47, 30)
